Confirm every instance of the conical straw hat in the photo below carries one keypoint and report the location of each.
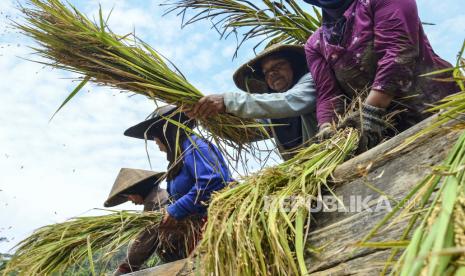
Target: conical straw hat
(249, 77)
(156, 122)
(131, 181)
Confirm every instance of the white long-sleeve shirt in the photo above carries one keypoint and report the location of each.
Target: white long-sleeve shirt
(299, 100)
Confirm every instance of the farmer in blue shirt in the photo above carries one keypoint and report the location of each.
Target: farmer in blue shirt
(196, 169)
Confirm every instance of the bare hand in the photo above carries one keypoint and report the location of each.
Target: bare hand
(208, 106)
(168, 221)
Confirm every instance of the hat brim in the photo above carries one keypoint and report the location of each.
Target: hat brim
(151, 128)
(148, 129)
(249, 78)
(121, 197)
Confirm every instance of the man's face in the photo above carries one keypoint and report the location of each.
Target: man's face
(278, 73)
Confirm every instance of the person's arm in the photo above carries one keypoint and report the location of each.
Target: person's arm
(329, 94)
(298, 100)
(205, 167)
(396, 42)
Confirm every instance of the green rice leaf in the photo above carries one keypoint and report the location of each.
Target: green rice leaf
(75, 91)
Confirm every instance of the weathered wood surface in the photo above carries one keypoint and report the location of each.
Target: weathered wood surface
(339, 231)
(170, 269)
(395, 175)
(371, 264)
(379, 156)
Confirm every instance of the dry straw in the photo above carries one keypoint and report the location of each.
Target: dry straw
(57, 247)
(251, 232)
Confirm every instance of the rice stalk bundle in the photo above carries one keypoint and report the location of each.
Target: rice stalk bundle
(273, 21)
(69, 40)
(57, 247)
(251, 230)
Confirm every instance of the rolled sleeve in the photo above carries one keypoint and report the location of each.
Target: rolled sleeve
(329, 94)
(396, 29)
(300, 99)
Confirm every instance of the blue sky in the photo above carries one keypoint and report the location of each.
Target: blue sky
(52, 171)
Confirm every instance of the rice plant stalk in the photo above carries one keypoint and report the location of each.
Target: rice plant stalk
(252, 231)
(68, 40)
(57, 247)
(441, 227)
(273, 21)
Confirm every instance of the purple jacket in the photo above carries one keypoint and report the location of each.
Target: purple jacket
(383, 47)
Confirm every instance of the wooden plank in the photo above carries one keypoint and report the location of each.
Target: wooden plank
(395, 178)
(338, 240)
(376, 156)
(339, 231)
(169, 269)
(371, 264)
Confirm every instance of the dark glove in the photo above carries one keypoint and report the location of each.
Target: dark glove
(371, 124)
(325, 131)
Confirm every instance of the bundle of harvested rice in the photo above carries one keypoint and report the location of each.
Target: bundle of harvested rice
(250, 229)
(273, 21)
(57, 247)
(70, 41)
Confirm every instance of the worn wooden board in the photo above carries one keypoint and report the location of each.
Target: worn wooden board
(371, 264)
(170, 269)
(378, 156)
(339, 231)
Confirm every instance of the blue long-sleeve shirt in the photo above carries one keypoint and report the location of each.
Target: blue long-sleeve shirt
(203, 172)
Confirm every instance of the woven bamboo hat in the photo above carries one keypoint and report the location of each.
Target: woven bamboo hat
(150, 127)
(132, 181)
(249, 77)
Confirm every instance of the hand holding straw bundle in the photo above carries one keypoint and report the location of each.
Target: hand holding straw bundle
(70, 41)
